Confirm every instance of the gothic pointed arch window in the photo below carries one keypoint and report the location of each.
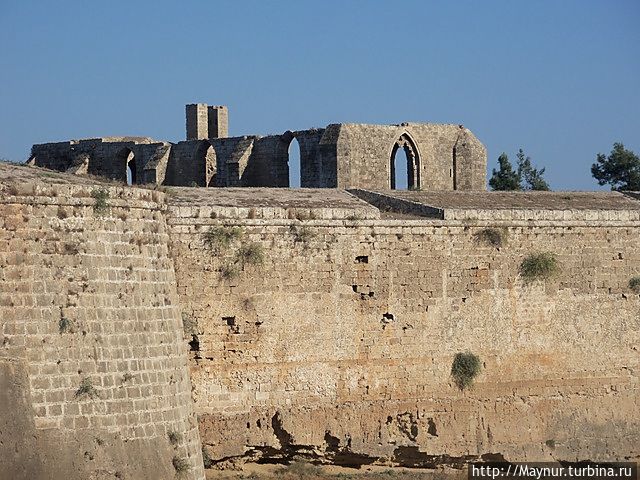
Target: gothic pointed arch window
(404, 165)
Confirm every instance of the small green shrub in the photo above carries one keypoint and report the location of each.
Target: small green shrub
(465, 368)
(174, 437)
(302, 234)
(100, 195)
(64, 325)
(539, 266)
(491, 236)
(218, 239)
(180, 464)
(127, 377)
(206, 458)
(250, 254)
(634, 284)
(86, 388)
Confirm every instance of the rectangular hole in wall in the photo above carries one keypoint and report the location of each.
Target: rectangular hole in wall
(231, 323)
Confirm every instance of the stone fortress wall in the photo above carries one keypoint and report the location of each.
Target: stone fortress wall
(340, 345)
(94, 381)
(439, 157)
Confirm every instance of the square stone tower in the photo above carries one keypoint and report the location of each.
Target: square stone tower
(205, 121)
(218, 121)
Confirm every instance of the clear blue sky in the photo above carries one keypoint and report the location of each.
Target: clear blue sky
(559, 78)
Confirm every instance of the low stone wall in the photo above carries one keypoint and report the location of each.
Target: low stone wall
(387, 203)
(93, 374)
(339, 345)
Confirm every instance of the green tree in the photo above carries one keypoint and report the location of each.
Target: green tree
(505, 178)
(526, 177)
(621, 169)
(529, 176)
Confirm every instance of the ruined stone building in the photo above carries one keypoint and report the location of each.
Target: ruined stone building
(439, 157)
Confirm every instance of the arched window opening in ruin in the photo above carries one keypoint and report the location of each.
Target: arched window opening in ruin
(404, 165)
(294, 164)
(132, 178)
(127, 158)
(203, 168)
(399, 166)
(211, 167)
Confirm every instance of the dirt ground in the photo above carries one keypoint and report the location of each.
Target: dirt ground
(306, 471)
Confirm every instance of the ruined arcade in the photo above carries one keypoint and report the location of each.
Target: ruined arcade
(439, 157)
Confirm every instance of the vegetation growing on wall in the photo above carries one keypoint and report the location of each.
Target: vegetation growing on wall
(465, 368)
(634, 284)
(219, 239)
(539, 266)
(302, 234)
(250, 254)
(495, 237)
(100, 195)
(64, 325)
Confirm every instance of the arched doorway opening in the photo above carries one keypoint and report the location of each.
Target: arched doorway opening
(203, 168)
(211, 167)
(127, 159)
(295, 173)
(404, 165)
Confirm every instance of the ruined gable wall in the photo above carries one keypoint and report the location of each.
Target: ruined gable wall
(365, 153)
(267, 166)
(185, 167)
(104, 157)
(311, 168)
(56, 156)
(90, 297)
(301, 354)
(470, 162)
